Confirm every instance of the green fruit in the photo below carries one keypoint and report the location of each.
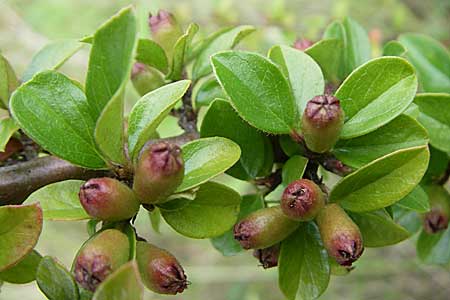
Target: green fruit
(436, 220)
(302, 200)
(146, 79)
(165, 31)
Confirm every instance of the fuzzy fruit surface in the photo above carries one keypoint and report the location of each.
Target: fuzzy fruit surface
(436, 220)
(99, 257)
(159, 171)
(165, 31)
(108, 199)
(302, 200)
(146, 79)
(264, 228)
(340, 235)
(160, 270)
(268, 257)
(322, 123)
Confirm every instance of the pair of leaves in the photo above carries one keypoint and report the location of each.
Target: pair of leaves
(24, 271)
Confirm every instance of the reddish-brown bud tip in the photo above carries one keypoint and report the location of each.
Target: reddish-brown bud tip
(302, 44)
(302, 200)
(165, 30)
(435, 221)
(268, 257)
(162, 18)
(346, 249)
(138, 68)
(91, 271)
(323, 109)
(13, 146)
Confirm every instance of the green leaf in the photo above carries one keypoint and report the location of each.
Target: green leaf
(155, 219)
(21, 227)
(302, 71)
(327, 54)
(54, 112)
(431, 60)
(376, 93)
(394, 48)
(417, 200)
(213, 201)
(294, 169)
(8, 81)
(59, 201)
(378, 229)
(433, 248)
(7, 129)
(149, 112)
(304, 271)
(438, 164)
(206, 158)
(222, 120)
(382, 182)
(435, 116)
(24, 271)
(225, 243)
(51, 57)
(224, 40)
(408, 219)
(124, 283)
(180, 52)
(402, 132)
(258, 90)
(150, 53)
(206, 91)
(55, 281)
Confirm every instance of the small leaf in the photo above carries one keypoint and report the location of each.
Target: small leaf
(435, 116)
(213, 201)
(54, 112)
(417, 200)
(433, 248)
(382, 182)
(150, 53)
(206, 158)
(327, 54)
(394, 48)
(7, 129)
(21, 227)
(155, 219)
(258, 90)
(378, 229)
(51, 57)
(8, 82)
(149, 112)
(24, 271)
(206, 91)
(376, 93)
(294, 169)
(55, 281)
(303, 272)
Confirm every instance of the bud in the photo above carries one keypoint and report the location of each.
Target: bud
(165, 30)
(159, 171)
(264, 228)
(145, 79)
(100, 256)
(436, 220)
(340, 235)
(322, 122)
(160, 270)
(108, 199)
(338, 270)
(302, 44)
(268, 257)
(302, 200)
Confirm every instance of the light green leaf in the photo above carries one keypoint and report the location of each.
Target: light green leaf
(417, 200)
(150, 53)
(382, 182)
(205, 91)
(376, 93)
(206, 158)
(433, 248)
(435, 116)
(302, 71)
(394, 48)
(51, 57)
(303, 269)
(7, 129)
(213, 201)
(59, 201)
(24, 271)
(21, 227)
(54, 112)
(155, 219)
(327, 54)
(402, 132)
(8, 81)
(149, 111)
(258, 90)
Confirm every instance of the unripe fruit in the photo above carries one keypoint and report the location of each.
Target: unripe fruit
(436, 220)
(165, 31)
(302, 200)
(146, 79)
(268, 257)
(100, 256)
(160, 270)
(264, 228)
(108, 199)
(340, 235)
(322, 122)
(159, 171)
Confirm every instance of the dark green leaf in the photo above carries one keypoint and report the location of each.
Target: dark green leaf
(24, 271)
(150, 53)
(417, 200)
(206, 91)
(438, 164)
(433, 248)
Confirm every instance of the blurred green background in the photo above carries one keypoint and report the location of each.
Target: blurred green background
(391, 273)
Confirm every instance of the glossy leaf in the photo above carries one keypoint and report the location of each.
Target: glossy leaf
(302, 71)
(433, 248)
(376, 93)
(51, 57)
(149, 112)
(327, 59)
(394, 48)
(150, 53)
(402, 132)
(21, 227)
(408, 219)
(54, 112)
(206, 158)
(303, 269)
(155, 219)
(417, 200)
(213, 201)
(207, 91)
(7, 129)
(382, 182)
(59, 201)
(435, 116)
(8, 81)
(258, 90)
(24, 271)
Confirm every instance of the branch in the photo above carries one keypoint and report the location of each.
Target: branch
(444, 178)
